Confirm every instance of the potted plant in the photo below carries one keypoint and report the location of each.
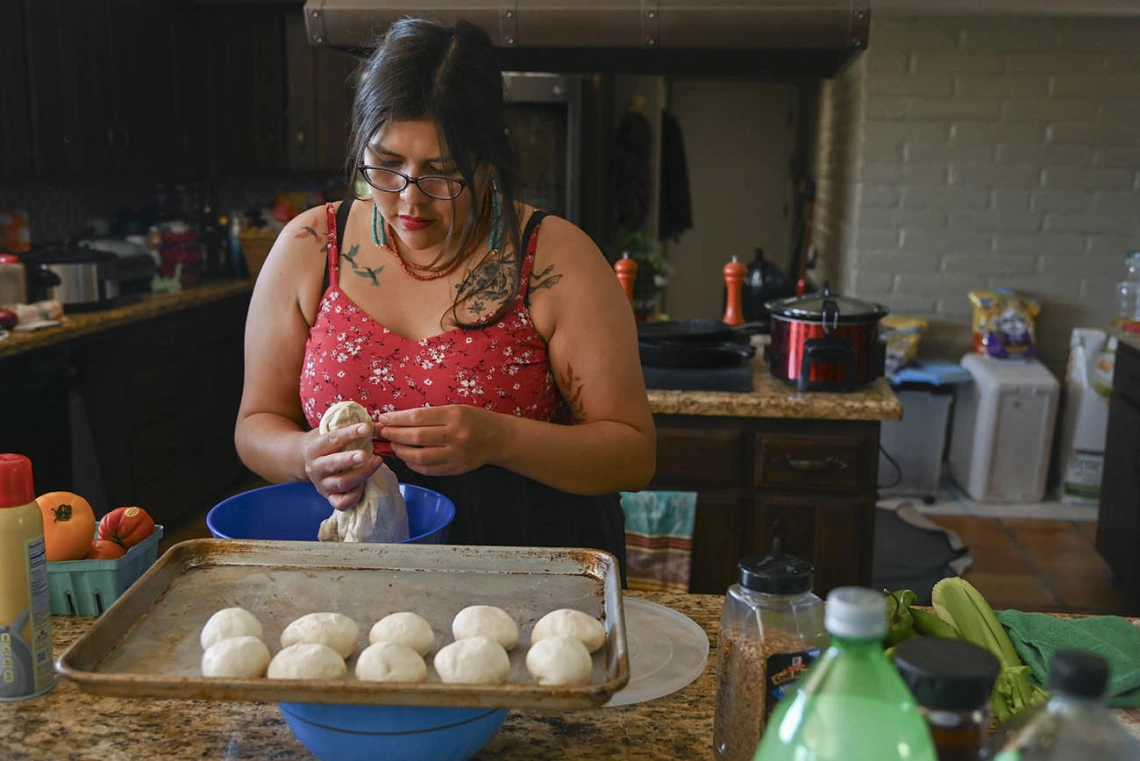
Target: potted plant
(653, 272)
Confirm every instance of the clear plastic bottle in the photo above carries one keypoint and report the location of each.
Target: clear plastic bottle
(851, 705)
(1128, 290)
(770, 632)
(1074, 725)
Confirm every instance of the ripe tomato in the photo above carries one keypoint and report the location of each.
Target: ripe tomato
(69, 525)
(126, 525)
(104, 549)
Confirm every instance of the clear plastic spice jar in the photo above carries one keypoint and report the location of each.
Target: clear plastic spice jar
(770, 632)
(951, 681)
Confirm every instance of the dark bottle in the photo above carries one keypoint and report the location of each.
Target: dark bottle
(951, 681)
(763, 282)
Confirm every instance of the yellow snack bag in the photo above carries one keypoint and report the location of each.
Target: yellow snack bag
(901, 335)
(1004, 324)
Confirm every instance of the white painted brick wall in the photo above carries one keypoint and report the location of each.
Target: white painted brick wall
(992, 152)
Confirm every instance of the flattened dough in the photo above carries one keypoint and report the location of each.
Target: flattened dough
(307, 661)
(390, 662)
(228, 623)
(237, 657)
(566, 622)
(381, 514)
(486, 621)
(475, 660)
(404, 629)
(559, 661)
(334, 630)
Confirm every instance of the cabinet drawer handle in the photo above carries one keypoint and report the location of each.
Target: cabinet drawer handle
(810, 466)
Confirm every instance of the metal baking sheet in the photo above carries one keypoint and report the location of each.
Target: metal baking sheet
(147, 643)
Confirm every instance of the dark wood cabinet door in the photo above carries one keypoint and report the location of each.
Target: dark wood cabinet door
(185, 136)
(320, 91)
(835, 535)
(1118, 522)
(717, 534)
(15, 108)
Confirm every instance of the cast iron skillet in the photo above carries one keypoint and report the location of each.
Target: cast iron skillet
(696, 331)
(687, 354)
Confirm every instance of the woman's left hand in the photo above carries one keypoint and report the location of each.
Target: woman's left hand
(442, 441)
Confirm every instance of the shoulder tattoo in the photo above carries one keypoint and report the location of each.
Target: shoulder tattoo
(491, 281)
(546, 279)
(308, 231)
(369, 273)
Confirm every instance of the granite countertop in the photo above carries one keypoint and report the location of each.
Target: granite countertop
(771, 398)
(148, 306)
(1127, 337)
(69, 724)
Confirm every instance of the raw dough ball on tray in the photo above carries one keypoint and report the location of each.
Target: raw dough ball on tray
(404, 629)
(228, 623)
(334, 630)
(559, 661)
(307, 661)
(237, 657)
(390, 662)
(486, 621)
(570, 623)
(475, 660)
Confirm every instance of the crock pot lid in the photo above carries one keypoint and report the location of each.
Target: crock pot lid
(810, 307)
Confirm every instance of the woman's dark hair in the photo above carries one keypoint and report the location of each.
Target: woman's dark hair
(424, 69)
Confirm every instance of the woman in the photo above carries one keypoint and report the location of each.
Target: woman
(474, 329)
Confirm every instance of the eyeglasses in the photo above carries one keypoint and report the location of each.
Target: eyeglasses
(391, 181)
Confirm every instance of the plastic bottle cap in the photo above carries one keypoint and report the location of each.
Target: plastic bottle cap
(775, 574)
(16, 487)
(1078, 673)
(856, 613)
(946, 674)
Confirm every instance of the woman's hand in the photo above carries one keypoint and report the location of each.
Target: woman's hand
(339, 476)
(443, 441)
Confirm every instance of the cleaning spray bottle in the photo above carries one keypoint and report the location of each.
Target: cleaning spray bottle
(26, 668)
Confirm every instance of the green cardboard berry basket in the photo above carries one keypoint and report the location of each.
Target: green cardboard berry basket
(88, 587)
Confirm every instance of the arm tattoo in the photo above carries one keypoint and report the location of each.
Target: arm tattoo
(545, 279)
(366, 272)
(572, 392)
(310, 232)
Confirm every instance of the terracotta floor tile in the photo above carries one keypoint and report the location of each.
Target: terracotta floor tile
(1024, 591)
(1069, 564)
(999, 560)
(975, 532)
(1095, 595)
(1047, 535)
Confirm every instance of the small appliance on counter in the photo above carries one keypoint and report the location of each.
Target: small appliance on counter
(13, 281)
(135, 266)
(822, 342)
(81, 279)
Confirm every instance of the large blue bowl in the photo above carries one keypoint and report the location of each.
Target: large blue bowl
(294, 511)
(391, 733)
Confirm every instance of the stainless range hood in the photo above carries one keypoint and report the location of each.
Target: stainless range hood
(746, 38)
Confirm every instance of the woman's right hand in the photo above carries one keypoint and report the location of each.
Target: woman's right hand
(339, 476)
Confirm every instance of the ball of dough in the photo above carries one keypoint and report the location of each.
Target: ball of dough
(238, 657)
(475, 660)
(307, 661)
(343, 415)
(404, 629)
(390, 662)
(228, 623)
(570, 623)
(559, 661)
(330, 629)
(486, 621)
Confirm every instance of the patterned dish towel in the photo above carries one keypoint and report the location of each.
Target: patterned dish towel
(659, 539)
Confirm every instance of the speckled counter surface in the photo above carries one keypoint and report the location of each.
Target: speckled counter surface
(67, 724)
(771, 398)
(151, 305)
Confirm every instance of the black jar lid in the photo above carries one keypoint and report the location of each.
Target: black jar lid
(1078, 673)
(947, 674)
(775, 574)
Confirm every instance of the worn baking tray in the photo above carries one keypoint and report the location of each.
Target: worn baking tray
(146, 644)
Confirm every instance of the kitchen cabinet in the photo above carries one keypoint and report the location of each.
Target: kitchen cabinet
(805, 487)
(1118, 521)
(320, 89)
(16, 124)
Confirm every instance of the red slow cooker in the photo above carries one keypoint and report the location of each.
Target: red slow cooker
(823, 342)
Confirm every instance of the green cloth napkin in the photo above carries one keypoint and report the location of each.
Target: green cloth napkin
(1036, 636)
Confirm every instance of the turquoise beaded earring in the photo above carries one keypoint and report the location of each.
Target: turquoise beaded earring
(495, 241)
(379, 227)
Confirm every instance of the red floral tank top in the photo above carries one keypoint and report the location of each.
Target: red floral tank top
(502, 367)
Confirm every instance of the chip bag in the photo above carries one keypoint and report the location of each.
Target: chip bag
(901, 335)
(1004, 324)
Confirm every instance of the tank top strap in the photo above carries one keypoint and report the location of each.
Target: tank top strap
(530, 236)
(337, 220)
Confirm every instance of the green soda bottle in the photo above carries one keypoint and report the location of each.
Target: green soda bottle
(851, 704)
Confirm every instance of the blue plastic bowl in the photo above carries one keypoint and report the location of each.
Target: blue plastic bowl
(294, 511)
(391, 733)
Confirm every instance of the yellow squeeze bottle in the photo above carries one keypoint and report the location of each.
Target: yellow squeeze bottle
(26, 668)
